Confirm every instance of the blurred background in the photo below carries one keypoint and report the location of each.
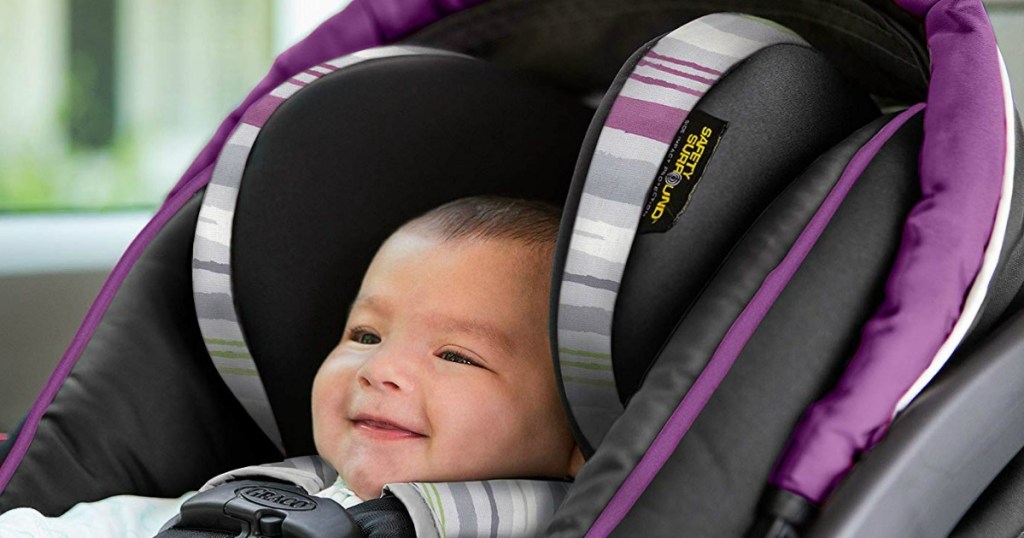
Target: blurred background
(106, 103)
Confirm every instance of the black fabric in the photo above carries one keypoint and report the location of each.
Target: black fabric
(785, 106)
(143, 411)
(344, 162)
(997, 513)
(709, 488)
(193, 533)
(385, 517)
(581, 44)
(796, 354)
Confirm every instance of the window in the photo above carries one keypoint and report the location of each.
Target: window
(111, 99)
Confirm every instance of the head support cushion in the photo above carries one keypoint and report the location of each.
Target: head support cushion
(767, 335)
(701, 129)
(334, 170)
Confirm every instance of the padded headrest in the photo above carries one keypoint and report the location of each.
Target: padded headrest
(702, 128)
(829, 314)
(357, 146)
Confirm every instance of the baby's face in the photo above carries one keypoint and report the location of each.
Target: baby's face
(444, 371)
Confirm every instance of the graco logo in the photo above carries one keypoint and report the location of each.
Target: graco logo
(277, 498)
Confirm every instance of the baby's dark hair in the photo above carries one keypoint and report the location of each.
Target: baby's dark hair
(532, 222)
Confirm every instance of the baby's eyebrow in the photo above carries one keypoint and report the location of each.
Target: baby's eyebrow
(479, 328)
(369, 302)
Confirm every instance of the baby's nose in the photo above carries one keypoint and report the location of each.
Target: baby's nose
(366, 382)
(387, 370)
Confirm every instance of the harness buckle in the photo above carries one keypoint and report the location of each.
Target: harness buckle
(263, 509)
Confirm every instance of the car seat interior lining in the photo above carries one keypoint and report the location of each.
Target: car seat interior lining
(941, 256)
(885, 57)
(643, 121)
(291, 281)
(759, 401)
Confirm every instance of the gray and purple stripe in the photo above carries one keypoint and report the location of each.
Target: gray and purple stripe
(661, 89)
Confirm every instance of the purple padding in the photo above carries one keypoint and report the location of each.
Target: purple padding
(962, 162)
(363, 24)
(737, 337)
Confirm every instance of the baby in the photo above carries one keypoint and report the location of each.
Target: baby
(444, 372)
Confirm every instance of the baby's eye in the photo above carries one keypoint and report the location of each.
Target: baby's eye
(363, 336)
(455, 357)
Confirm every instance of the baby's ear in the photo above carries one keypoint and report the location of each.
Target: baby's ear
(575, 461)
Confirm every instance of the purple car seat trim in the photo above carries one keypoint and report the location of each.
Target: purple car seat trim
(737, 337)
(92, 320)
(362, 24)
(941, 250)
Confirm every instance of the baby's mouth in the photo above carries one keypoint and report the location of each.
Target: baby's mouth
(381, 428)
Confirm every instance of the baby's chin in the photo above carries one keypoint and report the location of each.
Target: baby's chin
(368, 481)
(366, 485)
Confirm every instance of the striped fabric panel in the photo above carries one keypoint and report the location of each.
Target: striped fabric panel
(310, 473)
(647, 113)
(490, 508)
(211, 251)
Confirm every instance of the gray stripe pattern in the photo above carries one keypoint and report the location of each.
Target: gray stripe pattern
(490, 508)
(310, 473)
(621, 170)
(211, 251)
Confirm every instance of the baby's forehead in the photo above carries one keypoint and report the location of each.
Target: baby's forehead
(506, 272)
(482, 239)
(532, 257)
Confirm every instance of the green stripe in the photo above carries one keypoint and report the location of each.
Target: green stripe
(586, 365)
(440, 508)
(238, 371)
(223, 342)
(581, 353)
(588, 381)
(426, 495)
(230, 354)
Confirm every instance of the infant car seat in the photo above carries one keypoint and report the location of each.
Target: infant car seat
(735, 218)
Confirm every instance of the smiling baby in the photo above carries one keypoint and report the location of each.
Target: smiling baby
(444, 372)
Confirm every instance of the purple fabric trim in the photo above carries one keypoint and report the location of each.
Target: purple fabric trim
(961, 165)
(664, 84)
(737, 337)
(676, 72)
(687, 63)
(261, 110)
(92, 320)
(645, 118)
(361, 25)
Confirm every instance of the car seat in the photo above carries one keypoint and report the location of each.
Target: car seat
(771, 327)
